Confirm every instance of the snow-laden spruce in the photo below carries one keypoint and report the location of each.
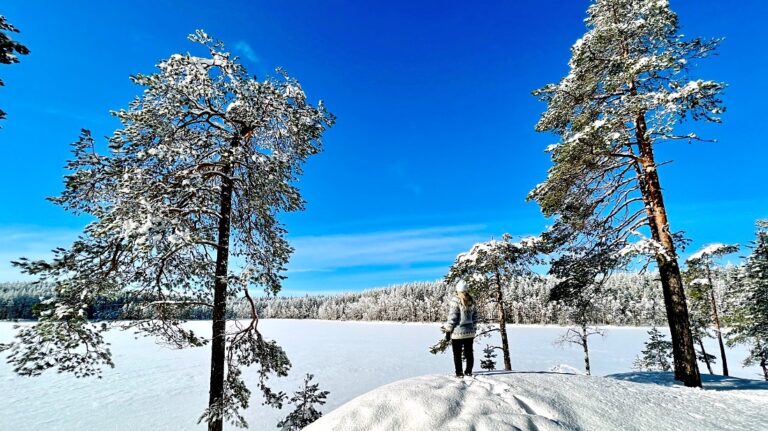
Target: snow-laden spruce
(629, 88)
(205, 160)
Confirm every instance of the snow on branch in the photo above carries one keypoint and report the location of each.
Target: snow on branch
(710, 251)
(646, 247)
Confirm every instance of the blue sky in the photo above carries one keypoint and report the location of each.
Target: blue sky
(434, 148)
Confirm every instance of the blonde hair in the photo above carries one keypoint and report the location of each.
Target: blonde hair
(465, 298)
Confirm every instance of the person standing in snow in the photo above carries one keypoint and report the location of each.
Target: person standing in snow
(461, 328)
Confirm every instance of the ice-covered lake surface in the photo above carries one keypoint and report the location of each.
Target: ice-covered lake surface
(156, 388)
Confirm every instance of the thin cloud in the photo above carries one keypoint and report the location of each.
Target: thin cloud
(342, 281)
(377, 249)
(244, 48)
(32, 243)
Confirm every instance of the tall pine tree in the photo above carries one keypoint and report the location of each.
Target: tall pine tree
(628, 89)
(749, 323)
(204, 162)
(9, 48)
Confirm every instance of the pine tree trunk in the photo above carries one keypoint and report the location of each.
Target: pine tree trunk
(764, 366)
(218, 337)
(704, 354)
(586, 349)
(686, 368)
(716, 318)
(502, 323)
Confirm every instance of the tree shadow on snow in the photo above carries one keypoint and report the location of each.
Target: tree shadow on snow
(501, 372)
(709, 381)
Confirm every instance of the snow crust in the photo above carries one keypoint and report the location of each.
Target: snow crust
(552, 401)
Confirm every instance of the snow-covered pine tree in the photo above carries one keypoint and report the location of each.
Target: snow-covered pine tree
(305, 400)
(656, 355)
(700, 317)
(628, 89)
(205, 160)
(749, 321)
(488, 362)
(9, 48)
(582, 271)
(489, 269)
(701, 288)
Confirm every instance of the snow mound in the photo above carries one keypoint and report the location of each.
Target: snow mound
(550, 401)
(565, 369)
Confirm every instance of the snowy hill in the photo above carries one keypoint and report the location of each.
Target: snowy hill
(551, 401)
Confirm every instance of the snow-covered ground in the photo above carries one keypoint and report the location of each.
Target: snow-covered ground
(156, 388)
(552, 401)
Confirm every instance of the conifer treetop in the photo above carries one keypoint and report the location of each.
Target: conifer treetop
(631, 63)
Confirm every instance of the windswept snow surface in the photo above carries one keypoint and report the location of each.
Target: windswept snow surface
(156, 388)
(545, 401)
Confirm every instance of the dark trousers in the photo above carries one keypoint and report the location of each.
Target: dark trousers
(465, 345)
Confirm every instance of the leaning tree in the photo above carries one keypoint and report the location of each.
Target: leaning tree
(628, 89)
(489, 269)
(184, 210)
(701, 267)
(9, 48)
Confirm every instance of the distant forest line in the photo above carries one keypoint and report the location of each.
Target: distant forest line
(627, 299)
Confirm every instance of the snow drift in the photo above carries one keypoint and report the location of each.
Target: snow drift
(553, 401)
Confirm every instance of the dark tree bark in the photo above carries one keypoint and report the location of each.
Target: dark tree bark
(686, 368)
(706, 359)
(218, 337)
(716, 318)
(502, 323)
(585, 345)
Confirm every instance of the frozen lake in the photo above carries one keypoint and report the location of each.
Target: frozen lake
(156, 388)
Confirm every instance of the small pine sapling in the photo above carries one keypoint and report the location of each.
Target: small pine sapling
(305, 412)
(656, 355)
(488, 363)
